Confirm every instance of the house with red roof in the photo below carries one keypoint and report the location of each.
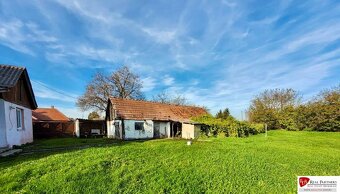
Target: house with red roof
(50, 122)
(137, 119)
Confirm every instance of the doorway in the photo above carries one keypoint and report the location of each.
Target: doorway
(156, 129)
(176, 129)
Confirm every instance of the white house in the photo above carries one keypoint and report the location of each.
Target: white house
(16, 104)
(136, 119)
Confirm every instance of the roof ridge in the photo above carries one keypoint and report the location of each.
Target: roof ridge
(49, 111)
(13, 66)
(160, 103)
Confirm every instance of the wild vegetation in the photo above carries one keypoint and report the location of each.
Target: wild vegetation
(93, 115)
(282, 109)
(228, 126)
(218, 165)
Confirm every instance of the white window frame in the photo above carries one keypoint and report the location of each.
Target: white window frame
(19, 113)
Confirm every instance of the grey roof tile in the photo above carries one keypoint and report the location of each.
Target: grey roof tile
(9, 75)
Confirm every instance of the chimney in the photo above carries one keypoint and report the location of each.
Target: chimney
(52, 107)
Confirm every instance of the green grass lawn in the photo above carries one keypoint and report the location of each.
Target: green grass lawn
(219, 165)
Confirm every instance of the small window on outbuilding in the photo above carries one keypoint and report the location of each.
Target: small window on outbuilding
(139, 126)
(20, 118)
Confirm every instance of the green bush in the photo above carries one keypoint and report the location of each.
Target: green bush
(228, 127)
(282, 109)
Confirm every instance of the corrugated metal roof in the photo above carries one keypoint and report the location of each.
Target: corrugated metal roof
(9, 75)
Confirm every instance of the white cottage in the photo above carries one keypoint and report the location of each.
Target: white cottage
(136, 119)
(16, 104)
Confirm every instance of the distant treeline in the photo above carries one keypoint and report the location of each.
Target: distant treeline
(283, 109)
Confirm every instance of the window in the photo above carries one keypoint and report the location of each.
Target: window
(139, 126)
(20, 118)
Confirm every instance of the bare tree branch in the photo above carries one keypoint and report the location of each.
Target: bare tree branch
(121, 83)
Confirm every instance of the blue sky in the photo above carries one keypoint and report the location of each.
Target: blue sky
(215, 53)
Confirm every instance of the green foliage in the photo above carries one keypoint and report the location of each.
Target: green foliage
(223, 114)
(230, 127)
(281, 112)
(93, 115)
(273, 106)
(323, 113)
(220, 165)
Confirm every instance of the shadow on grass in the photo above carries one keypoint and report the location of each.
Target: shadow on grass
(41, 149)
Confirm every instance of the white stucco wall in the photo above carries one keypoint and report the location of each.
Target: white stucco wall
(3, 139)
(76, 128)
(190, 131)
(131, 133)
(164, 129)
(110, 129)
(16, 136)
(119, 129)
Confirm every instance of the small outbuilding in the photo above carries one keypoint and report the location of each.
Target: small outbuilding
(137, 119)
(50, 122)
(16, 104)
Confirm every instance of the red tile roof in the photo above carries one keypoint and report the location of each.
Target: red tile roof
(142, 110)
(48, 114)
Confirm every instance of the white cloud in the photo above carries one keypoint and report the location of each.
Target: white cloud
(12, 36)
(42, 90)
(168, 80)
(149, 84)
(71, 112)
(19, 36)
(74, 112)
(161, 36)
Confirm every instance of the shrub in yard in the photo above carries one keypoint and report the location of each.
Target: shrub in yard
(229, 127)
(256, 128)
(282, 109)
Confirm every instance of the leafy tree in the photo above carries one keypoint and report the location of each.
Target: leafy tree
(281, 109)
(272, 107)
(121, 83)
(323, 112)
(93, 115)
(223, 114)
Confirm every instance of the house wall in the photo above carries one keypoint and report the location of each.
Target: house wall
(131, 133)
(19, 94)
(13, 135)
(3, 139)
(110, 129)
(164, 129)
(188, 131)
(50, 129)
